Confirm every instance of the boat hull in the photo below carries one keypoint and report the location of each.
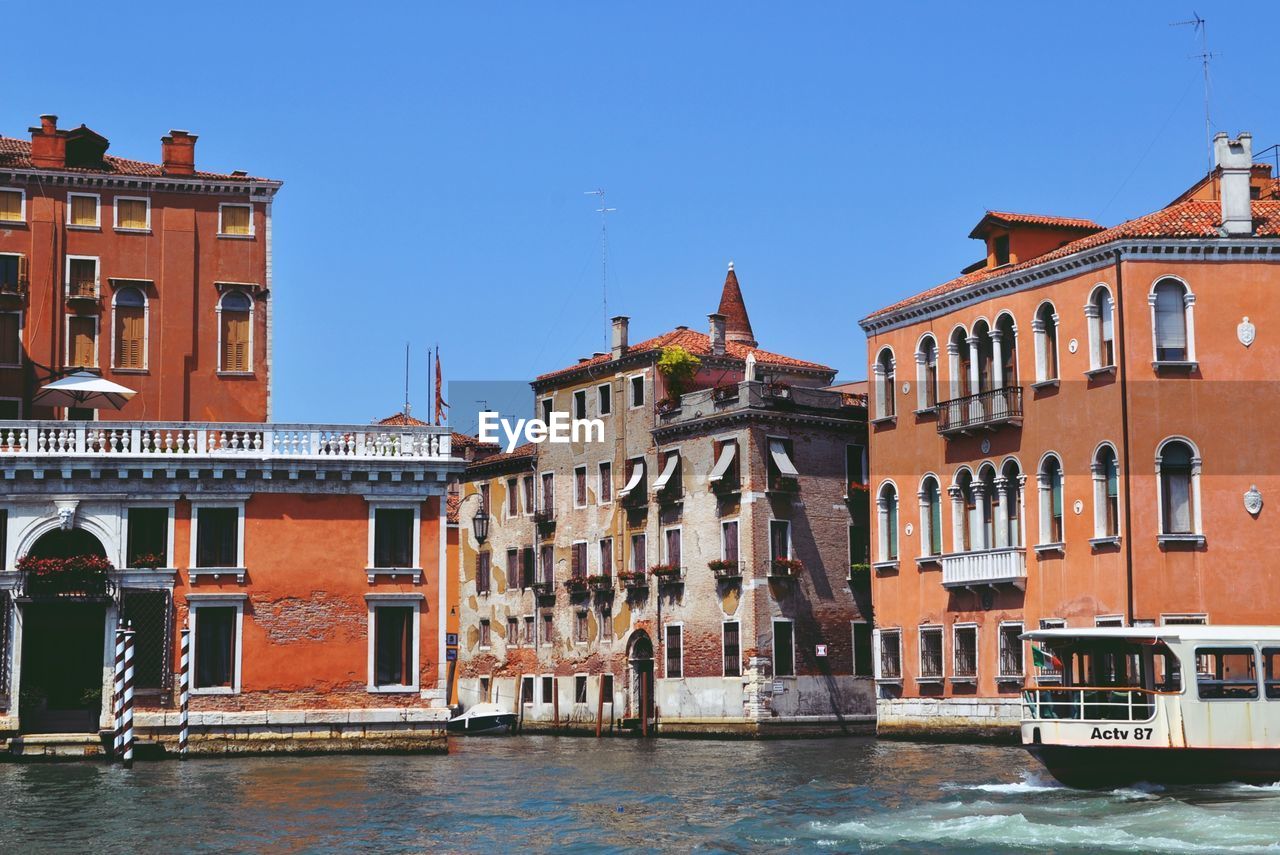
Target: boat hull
(484, 725)
(1114, 766)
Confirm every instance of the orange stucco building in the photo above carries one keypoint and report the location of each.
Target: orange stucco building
(1075, 431)
(125, 267)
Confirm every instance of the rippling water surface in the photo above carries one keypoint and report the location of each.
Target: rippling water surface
(539, 793)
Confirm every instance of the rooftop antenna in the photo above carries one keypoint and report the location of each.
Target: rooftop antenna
(1201, 26)
(406, 378)
(604, 211)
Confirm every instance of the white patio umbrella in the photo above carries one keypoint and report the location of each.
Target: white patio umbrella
(83, 389)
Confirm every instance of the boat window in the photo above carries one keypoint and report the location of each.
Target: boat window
(1271, 661)
(1165, 671)
(1226, 673)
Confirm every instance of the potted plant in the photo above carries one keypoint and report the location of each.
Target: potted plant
(787, 567)
(723, 568)
(859, 572)
(665, 572)
(678, 367)
(576, 584)
(79, 575)
(147, 561)
(600, 581)
(633, 578)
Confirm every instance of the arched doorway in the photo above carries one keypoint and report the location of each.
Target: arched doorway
(640, 671)
(64, 651)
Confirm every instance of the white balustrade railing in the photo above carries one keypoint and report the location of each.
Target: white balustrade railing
(217, 440)
(985, 567)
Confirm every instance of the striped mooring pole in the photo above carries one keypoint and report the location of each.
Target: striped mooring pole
(117, 689)
(184, 692)
(126, 711)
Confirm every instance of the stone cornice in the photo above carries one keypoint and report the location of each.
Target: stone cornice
(258, 188)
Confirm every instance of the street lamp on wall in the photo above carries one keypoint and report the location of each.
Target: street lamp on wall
(479, 522)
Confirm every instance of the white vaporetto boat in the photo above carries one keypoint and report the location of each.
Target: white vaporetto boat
(1171, 704)
(483, 718)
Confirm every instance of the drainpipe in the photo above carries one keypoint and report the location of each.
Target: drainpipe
(1124, 433)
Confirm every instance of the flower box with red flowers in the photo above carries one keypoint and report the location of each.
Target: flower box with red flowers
(600, 583)
(725, 569)
(666, 574)
(576, 584)
(786, 568)
(634, 578)
(77, 577)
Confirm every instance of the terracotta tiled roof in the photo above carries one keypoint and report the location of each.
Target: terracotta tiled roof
(452, 502)
(1011, 218)
(404, 420)
(1193, 219)
(737, 324)
(699, 344)
(16, 154)
(520, 452)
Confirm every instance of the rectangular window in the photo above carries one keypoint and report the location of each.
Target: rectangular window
(862, 666)
(486, 689)
(82, 341)
(82, 210)
(779, 539)
(217, 537)
(606, 688)
(82, 277)
(548, 492)
(675, 651)
(546, 560)
(860, 544)
(855, 470)
(148, 540)
(528, 568)
(637, 391)
(782, 469)
(485, 636)
(1271, 671)
(393, 660)
(931, 652)
(483, 573)
(149, 612)
(672, 544)
(1226, 673)
(393, 537)
(484, 498)
(606, 482)
(513, 632)
(1001, 244)
(1010, 650)
(529, 634)
(13, 204)
(604, 399)
(13, 272)
(638, 559)
(578, 559)
(580, 689)
(732, 649)
(580, 486)
(606, 622)
(215, 646)
(784, 651)
(547, 405)
(1109, 620)
(10, 338)
(966, 651)
(235, 219)
(548, 629)
(548, 689)
(235, 341)
(513, 569)
(580, 627)
(606, 556)
(636, 488)
(580, 404)
(526, 484)
(513, 498)
(132, 213)
(526, 690)
(670, 482)
(10, 409)
(729, 540)
(891, 654)
(725, 473)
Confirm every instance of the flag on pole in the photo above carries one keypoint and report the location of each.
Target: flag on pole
(1044, 659)
(441, 406)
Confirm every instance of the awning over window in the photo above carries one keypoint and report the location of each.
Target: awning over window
(778, 451)
(637, 474)
(673, 460)
(723, 462)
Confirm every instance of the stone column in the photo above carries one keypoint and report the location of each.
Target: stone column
(1002, 513)
(957, 518)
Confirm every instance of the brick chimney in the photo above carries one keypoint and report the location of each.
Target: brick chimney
(717, 333)
(1235, 158)
(48, 144)
(178, 153)
(619, 342)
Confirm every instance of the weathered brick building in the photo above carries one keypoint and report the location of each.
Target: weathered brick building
(694, 563)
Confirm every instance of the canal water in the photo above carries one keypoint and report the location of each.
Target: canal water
(541, 793)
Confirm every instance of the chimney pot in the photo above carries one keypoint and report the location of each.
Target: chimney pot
(48, 123)
(717, 333)
(1234, 159)
(619, 342)
(178, 153)
(48, 144)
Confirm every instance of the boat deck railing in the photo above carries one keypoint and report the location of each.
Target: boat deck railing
(1089, 703)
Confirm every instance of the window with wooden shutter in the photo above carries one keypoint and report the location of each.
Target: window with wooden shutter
(84, 210)
(236, 220)
(236, 316)
(10, 338)
(131, 214)
(83, 342)
(11, 205)
(130, 329)
(82, 277)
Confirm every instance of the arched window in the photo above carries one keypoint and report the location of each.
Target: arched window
(1178, 468)
(129, 306)
(1172, 308)
(927, 374)
(885, 385)
(1050, 482)
(981, 344)
(1100, 315)
(887, 512)
(1106, 493)
(930, 517)
(986, 499)
(235, 332)
(965, 520)
(1005, 352)
(1009, 505)
(1045, 328)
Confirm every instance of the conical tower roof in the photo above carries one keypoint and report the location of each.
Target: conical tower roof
(737, 325)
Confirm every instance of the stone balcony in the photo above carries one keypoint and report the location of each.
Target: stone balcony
(988, 567)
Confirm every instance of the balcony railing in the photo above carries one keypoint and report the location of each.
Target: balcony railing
(219, 441)
(988, 567)
(983, 411)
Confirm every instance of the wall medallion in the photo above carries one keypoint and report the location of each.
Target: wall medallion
(986, 446)
(1073, 345)
(910, 528)
(1246, 332)
(1078, 507)
(1253, 500)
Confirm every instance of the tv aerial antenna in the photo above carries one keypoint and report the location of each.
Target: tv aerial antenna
(604, 211)
(1201, 26)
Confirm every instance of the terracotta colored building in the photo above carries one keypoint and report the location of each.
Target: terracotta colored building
(689, 569)
(1075, 431)
(124, 267)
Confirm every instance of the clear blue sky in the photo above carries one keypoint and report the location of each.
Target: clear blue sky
(435, 158)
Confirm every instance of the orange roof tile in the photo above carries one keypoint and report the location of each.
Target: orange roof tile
(1192, 219)
(16, 154)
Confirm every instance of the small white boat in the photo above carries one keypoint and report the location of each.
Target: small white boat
(482, 719)
(1170, 704)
